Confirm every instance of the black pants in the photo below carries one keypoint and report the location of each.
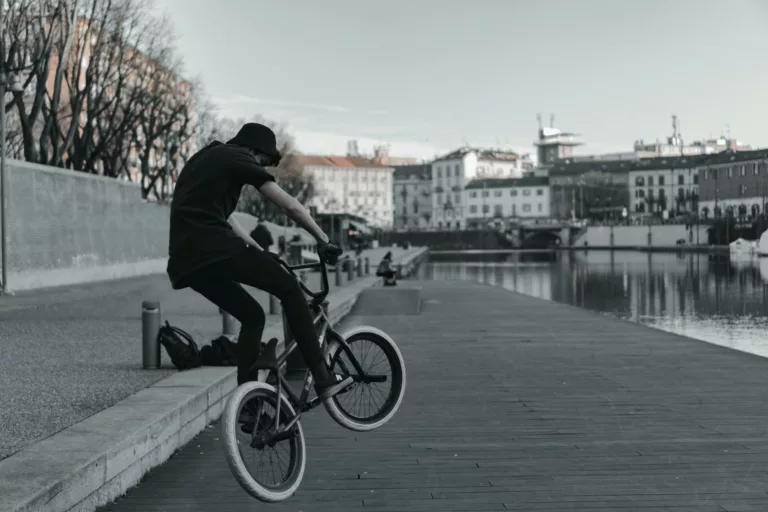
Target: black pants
(220, 283)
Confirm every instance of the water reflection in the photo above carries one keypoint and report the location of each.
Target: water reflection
(715, 298)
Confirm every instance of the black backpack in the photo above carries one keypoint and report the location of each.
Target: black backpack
(180, 346)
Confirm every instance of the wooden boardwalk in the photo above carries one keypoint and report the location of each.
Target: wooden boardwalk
(515, 403)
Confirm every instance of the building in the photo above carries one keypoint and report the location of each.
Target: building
(664, 184)
(734, 183)
(674, 146)
(351, 185)
(506, 198)
(451, 173)
(413, 196)
(554, 145)
(589, 189)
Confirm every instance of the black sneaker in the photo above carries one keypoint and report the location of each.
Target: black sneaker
(332, 387)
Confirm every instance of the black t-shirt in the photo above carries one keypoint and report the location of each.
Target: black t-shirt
(205, 195)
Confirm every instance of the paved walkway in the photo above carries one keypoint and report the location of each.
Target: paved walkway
(515, 403)
(68, 353)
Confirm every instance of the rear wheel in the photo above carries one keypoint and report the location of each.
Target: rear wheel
(268, 473)
(367, 406)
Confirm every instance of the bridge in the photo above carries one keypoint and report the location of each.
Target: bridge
(539, 233)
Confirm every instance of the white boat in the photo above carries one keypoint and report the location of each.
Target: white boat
(762, 245)
(744, 246)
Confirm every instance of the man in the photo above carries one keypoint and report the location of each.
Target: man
(212, 254)
(262, 236)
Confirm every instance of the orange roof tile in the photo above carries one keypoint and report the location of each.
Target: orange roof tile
(339, 161)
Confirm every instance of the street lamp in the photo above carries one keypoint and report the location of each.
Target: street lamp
(9, 82)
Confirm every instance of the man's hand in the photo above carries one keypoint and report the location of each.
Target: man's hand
(329, 252)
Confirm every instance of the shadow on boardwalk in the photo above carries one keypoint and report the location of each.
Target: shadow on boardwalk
(515, 403)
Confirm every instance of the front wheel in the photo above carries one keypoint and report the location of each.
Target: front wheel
(248, 425)
(367, 406)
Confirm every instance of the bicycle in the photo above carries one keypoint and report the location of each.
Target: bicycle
(266, 430)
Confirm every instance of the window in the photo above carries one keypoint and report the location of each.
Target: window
(743, 190)
(497, 212)
(439, 172)
(539, 192)
(497, 193)
(661, 181)
(541, 207)
(458, 198)
(457, 171)
(640, 181)
(526, 207)
(681, 194)
(743, 170)
(526, 191)
(513, 193)
(650, 181)
(680, 179)
(730, 172)
(473, 208)
(486, 208)
(696, 178)
(473, 194)
(485, 193)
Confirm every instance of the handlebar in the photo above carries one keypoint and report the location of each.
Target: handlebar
(317, 297)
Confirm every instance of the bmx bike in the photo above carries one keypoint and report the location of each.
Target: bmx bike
(260, 415)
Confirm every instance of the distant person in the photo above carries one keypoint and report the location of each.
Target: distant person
(262, 236)
(386, 270)
(210, 252)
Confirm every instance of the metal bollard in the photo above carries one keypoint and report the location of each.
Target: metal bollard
(228, 324)
(150, 327)
(274, 305)
(338, 273)
(350, 270)
(367, 266)
(359, 267)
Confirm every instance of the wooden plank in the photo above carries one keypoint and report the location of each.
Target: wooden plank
(515, 403)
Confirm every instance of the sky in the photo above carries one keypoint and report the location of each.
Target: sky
(427, 76)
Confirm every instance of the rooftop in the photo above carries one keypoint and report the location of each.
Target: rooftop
(571, 166)
(349, 162)
(418, 171)
(482, 154)
(525, 181)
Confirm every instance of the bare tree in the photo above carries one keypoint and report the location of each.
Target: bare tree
(32, 26)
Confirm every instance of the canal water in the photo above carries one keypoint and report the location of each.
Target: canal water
(716, 298)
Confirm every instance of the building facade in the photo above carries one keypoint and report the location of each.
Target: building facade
(452, 172)
(659, 185)
(413, 197)
(734, 184)
(589, 189)
(351, 185)
(506, 198)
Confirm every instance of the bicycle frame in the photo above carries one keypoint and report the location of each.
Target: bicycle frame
(301, 403)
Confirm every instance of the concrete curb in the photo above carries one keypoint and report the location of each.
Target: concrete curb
(97, 460)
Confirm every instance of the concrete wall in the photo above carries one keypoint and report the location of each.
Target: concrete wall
(631, 236)
(68, 227)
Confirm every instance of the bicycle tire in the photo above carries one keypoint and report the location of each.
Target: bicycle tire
(229, 424)
(397, 365)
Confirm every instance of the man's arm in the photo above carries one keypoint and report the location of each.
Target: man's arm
(242, 233)
(293, 209)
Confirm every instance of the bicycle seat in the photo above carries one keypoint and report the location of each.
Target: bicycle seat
(268, 357)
